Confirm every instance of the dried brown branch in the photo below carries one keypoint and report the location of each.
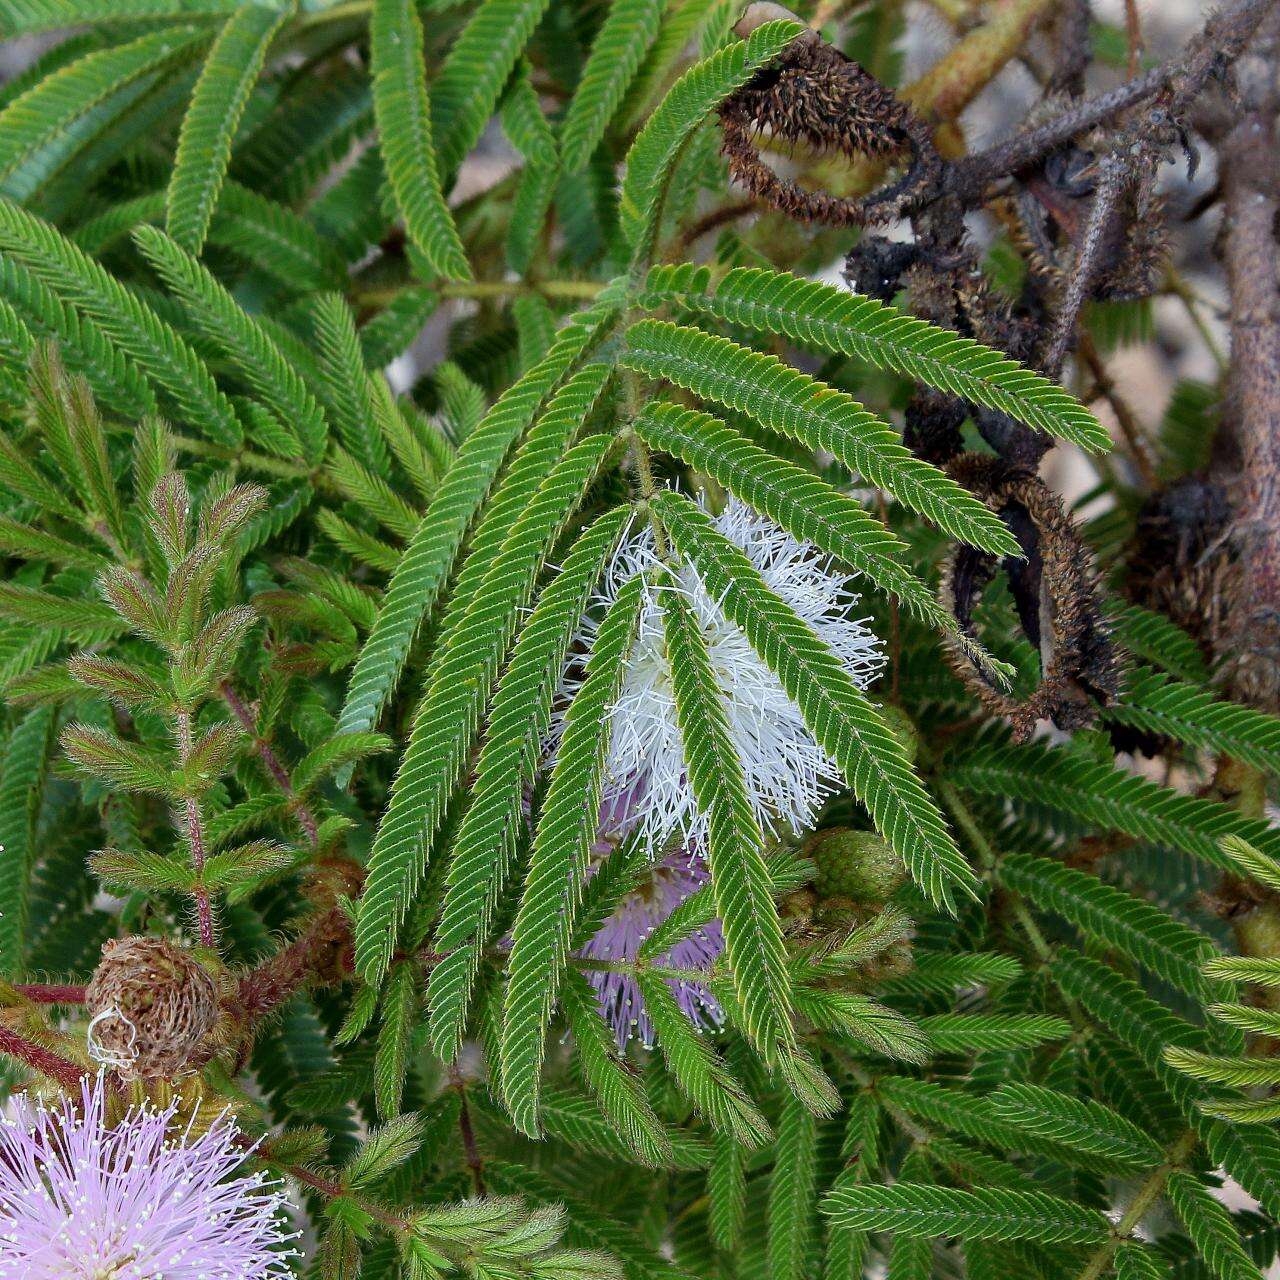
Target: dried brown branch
(1251, 425)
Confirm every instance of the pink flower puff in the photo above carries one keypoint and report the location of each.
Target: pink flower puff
(667, 884)
(81, 1201)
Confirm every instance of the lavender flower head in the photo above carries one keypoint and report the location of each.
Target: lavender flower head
(81, 1201)
(667, 885)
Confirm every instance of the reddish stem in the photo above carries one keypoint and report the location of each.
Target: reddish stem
(40, 1059)
(267, 987)
(195, 837)
(50, 992)
(248, 722)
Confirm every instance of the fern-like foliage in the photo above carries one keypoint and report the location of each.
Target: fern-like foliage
(208, 128)
(479, 596)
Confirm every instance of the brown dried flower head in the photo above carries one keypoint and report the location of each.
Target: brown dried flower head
(153, 1009)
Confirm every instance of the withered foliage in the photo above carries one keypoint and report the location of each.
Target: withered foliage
(1076, 191)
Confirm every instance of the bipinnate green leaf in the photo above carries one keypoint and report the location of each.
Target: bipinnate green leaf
(552, 891)
(821, 317)
(477, 68)
(791, 1192)
(55, 102)
(403, 113)
(1208, 1223)
(1112, 798)
(820, 417)
(24, 759)
(518, 725)
(209, 126)
(248, 342)
(1156, 703)
(735, 843)
(805, 506)
(918, 1209)
(618, 1089)
(1080, 1123)
(395, 1034)
(449, 715)
(837, 712)
(1152, 938)
(128, 322)
(429, 558)
(694, 96)
(699, 1072)
(615, 57)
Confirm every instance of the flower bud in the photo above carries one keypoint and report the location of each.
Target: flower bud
(855, 864)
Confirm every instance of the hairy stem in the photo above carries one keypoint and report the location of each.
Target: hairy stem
(266, 987)
(248, 722)
(40, 1059)
(194, 830)
(50, 992)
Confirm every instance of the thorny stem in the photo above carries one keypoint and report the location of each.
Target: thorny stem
(268, 986)
(1147, 1194)
(248, 721)
(40, 1059)
(1114, 178)
(714, 218)
(333, 1190)
(1251, 199)
(195, 835)
(1024, 149)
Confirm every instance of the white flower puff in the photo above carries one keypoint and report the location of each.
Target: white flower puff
(787, 773)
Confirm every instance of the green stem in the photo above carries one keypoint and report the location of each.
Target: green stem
(579, 289)
(1147, 1194)
(249, 458)
(336, 13)
(642, 461)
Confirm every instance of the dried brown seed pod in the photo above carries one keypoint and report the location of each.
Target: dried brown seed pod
(153, 1009)
(1056, 593)
(1182, 562)
(814, 95)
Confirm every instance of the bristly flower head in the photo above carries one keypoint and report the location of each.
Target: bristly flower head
(81, 1201)
(666, 885)
(787, 773)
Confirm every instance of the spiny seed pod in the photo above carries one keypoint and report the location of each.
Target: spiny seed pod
(814, 95)
(153, 1009)
(855, 864)
(1057, 595)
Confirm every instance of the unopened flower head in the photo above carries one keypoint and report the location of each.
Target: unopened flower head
(787, 773)
(81, 1201)
(667, 884)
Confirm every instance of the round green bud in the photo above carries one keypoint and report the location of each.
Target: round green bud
(855, 864)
